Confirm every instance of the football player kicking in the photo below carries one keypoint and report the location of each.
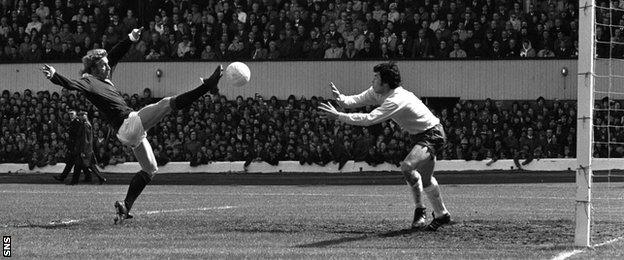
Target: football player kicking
(409, 112)
(131, 126)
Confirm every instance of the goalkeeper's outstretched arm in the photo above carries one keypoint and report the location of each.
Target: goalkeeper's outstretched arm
(120, 49)
(56, 78)
(378, 115)
(363, 99)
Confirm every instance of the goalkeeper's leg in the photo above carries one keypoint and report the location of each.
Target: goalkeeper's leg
(414, 182)
(422, 161)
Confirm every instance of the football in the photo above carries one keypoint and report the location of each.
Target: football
(237, 74)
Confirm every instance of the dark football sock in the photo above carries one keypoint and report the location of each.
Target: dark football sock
(186, 99)
(137, 184)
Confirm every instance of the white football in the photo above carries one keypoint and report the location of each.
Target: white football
(237, 74)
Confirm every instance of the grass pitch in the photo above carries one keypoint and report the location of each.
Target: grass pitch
(528, 221)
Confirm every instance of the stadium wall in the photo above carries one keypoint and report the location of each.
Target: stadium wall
(294, 166)
(540, 165)
(466, 79)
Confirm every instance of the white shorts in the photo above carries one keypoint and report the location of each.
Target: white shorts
(131, 132)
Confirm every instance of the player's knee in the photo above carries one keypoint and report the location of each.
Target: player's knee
(154, 170)
(409, 174)
(412, 178)
(151, 170)
(407, 166)
(147, 177)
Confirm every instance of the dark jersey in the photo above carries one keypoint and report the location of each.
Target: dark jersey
(102, 94)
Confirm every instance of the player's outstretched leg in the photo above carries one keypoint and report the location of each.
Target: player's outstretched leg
(208, 85)
(150, 116)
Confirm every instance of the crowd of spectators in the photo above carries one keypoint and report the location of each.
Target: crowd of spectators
(293, 29)
(34, 131)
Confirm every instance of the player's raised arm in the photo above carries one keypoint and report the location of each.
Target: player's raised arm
(378, 115)
(363, 99)
(51, 74)
(121, 48)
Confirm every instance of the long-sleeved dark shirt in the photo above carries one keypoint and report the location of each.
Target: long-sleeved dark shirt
(74, 130)
(102, 93)
(84, 142)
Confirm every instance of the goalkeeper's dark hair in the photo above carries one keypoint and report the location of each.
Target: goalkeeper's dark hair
(92, 58)
(389, 73)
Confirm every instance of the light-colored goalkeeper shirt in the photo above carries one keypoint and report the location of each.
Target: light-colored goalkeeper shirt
(400, 105)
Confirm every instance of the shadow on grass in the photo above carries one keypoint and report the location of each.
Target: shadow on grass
(337, 241)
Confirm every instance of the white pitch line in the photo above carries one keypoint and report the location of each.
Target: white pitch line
(566, 254)
(609, 242)
(73, 221)
(182, 210)
(49, 224)
(66, 222)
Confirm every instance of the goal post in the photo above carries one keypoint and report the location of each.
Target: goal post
(584, 133)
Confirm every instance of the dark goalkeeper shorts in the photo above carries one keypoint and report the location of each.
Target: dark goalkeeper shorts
(433, 138)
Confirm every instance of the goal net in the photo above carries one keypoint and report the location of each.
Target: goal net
(600, 126)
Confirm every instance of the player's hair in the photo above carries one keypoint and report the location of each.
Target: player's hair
(389, 73)
(92, 58)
